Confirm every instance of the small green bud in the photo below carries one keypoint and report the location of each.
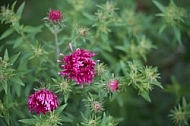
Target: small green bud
(96, 106)
(64, 86)
(180, 114)
(100, 69)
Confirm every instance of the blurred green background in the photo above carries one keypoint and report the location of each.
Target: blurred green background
(171, 60)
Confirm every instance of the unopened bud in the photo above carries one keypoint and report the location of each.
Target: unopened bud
(113, 85)
(55, 16)
(96, 106)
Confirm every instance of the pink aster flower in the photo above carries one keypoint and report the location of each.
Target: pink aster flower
(42, 101)
(79, 66)
(55, 16)
(113, 85)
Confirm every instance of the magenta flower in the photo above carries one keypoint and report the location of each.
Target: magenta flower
(42, 101)
(55, 16)
(79, 66)
(113, 85)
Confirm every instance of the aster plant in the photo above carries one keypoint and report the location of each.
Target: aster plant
(92, 65)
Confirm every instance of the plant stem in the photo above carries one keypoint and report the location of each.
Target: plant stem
(56, 40)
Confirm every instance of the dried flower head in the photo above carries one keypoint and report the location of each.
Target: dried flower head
(100, 69)
(79, 66)
(55, 16)
(83, 32)
(113, 85)
(42, 101)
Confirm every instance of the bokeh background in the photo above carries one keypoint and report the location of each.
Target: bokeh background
(172, 60)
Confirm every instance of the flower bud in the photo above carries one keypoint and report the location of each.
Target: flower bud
(100, 69)
(113, 85)
(55, 16)
(96, 106)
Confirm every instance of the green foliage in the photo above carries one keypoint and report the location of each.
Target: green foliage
(131, 44)
(142, 78)
(172, 16)
(181, 114)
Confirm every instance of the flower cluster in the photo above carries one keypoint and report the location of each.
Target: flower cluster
(79, 66)
(42, 101)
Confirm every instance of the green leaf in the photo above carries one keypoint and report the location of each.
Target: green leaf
(28, 121)
(178, 35)
(89, 16)
(5, 86)
(7, 118)
(122, 65)
(109, 57)
(162, 28)
(17, 81)
(66, 96)
(66, 119)
(160, 6)
(13, 5)
(20, 9)
(105, 46)
(120, 100)
(7, 33)
(6, 55)
(146, 96)
(60, 109)
(184, 102)
(159, 85)
(121, 48)
(13, 58)
(54, 80)
(17, 89)
(32, 29)
(17, 42)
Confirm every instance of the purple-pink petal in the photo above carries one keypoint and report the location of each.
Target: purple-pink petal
(79, 66)
(42, 101)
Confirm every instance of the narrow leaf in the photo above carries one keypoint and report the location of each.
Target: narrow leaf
(6, 33)
(17, 42)
(6, 55)
(66, 97)
(13, 5)
(7, 118)
(54, 80)
(160, 6)
(162, 29)
(20, 9)
(5, 87)
(17, 89)
(121, 48)
(33, 29)
(60, 109)
(145, 95)
(13, 58)
(17, 81)
(178, 35)
(28, 121)
(66, 119)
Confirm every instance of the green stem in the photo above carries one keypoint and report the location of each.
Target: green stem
(56, 40)
(25, 38)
